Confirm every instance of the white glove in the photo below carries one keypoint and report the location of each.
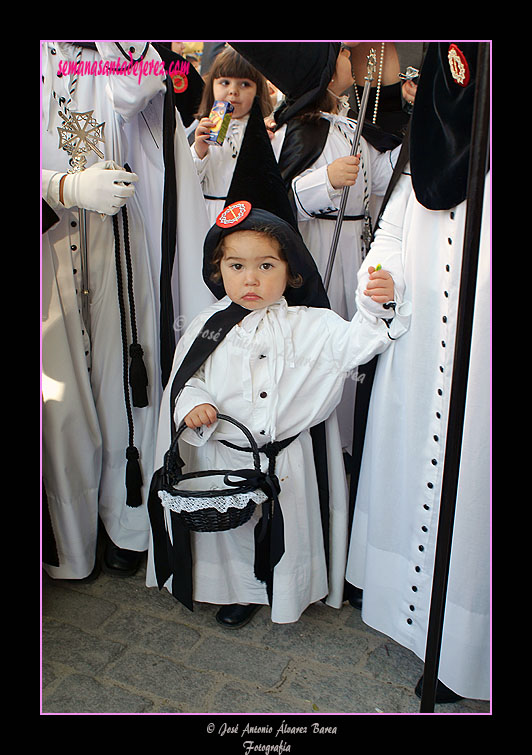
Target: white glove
(100, 188)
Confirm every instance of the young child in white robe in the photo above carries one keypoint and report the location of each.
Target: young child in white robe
(231, 79)
(279, 371)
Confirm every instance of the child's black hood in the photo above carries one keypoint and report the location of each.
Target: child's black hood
(257, 181)
(311, 293)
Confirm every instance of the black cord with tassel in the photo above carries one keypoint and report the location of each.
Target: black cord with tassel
(133, 471)
(138, 376)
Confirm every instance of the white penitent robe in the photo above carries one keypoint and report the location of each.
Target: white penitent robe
(279, 372)
(397, 507)
(85, 429)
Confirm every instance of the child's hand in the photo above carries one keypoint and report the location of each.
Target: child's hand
(343, 171)
(203, 414)
(380, 285)
(270, 124)
(201, 134)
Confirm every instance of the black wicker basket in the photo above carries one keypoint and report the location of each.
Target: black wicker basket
(219, 508)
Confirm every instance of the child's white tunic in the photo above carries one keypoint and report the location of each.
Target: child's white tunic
(279, 372)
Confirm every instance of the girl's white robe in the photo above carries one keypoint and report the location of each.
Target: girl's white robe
(279, 372)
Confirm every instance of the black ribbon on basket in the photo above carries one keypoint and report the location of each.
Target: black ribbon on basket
(268, 535)
(174, 554)
(269, 532)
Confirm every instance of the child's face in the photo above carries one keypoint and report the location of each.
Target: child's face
(239, 92)
(253, 273)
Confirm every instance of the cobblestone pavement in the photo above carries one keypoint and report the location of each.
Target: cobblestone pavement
(115, 646)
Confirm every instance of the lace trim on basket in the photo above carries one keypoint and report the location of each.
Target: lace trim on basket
(179, 503)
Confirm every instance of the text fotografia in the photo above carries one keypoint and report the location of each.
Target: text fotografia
(138, 68)
(249, 745)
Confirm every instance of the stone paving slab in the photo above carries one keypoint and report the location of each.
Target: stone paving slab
(115, 646)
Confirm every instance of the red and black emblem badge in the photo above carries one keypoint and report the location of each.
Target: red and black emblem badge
(179, 81)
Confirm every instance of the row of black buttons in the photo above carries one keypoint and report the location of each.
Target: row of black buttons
(74, 248)
(263, 394)
(436, 438)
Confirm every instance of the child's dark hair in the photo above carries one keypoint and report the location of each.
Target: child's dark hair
(294, 279)
(327, 103)
(230, 63)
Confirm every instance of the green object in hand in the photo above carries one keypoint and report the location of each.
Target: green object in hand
(379, 266)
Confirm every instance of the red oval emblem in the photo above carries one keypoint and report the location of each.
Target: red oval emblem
(458, 65)
(233, 214)
(180, 82)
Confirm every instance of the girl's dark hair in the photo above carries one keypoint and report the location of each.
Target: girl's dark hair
(230, 63)
(294, 279)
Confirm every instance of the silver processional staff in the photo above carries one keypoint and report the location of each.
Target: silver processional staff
(372, 64)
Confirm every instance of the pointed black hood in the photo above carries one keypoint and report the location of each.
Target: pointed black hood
(257, 180)
(301, 70)
(441, 125)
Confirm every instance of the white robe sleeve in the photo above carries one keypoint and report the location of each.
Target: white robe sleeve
(351, 344)
(201, 164)
(387, 250)
(193, 394)
(314, 193)
(50, 187)
(130, 93)
(167, 411)
(382, 165)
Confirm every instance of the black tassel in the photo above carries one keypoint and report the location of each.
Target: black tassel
(133, 478)
(138, 377)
